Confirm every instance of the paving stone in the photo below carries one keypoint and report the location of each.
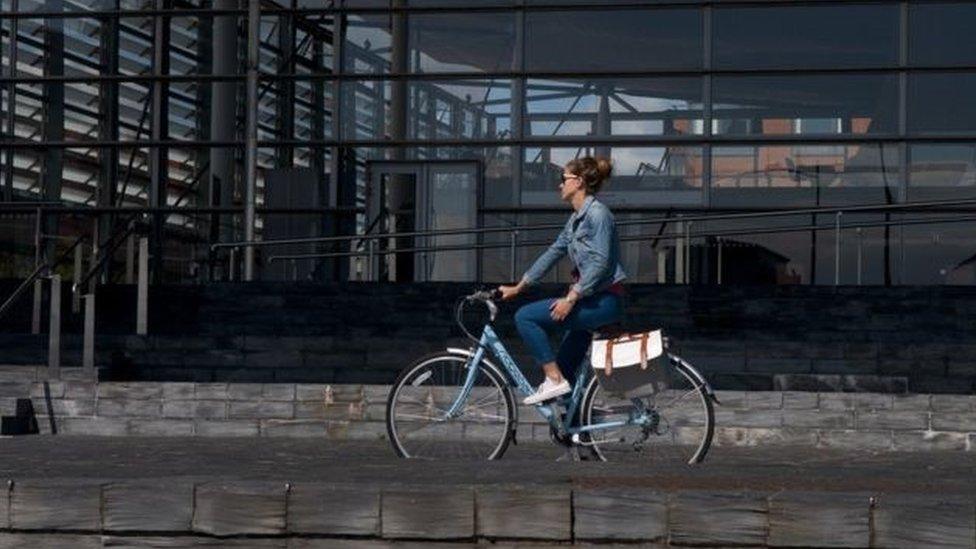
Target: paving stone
(914, 441)
(715, 518)
(764, 400)
(749, 418)
(723, 436)
(55, 505)
(524, 513)
(239, 508)
(79, 390)
(903, 421)
(821, 419)
(160, 427)
(910, 521)
(333, 510)
(5, 488)
(63, 407)
(227, 428)
(210, 391)
(148, 506)
(15, 389)
(142, 390)
(433, 513)
(311, 392)
(782, 437)
(52, 389)
(193, 542)
(819, 519)
(953, 403)
(620, 515)
(836, 401)
(920, 403)
(178, 391)
(21, 540)
(278, 391)
(731, 399)
(873, 401)
(849, 439)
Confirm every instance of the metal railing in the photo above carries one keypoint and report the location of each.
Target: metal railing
(684, 235)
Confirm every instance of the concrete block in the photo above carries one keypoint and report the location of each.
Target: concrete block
(717, 518)
(749, 418)
(902, 520)
(953, 403)
(434, 513)
(631, 515)
(239, 508)
(278, 391)
(147, 506)
(918, 403)
(130, 391)
(244, 391)
(210, 391)
(55, 505)
(79, 390)
(20, 540)
(764, 400)
(93, 426)
(178, 391)
(228, 428)
(836, 401)
(314, 392)
(531, 513)
(953, 421)
(336, 411)
(54, 389)
(914, 441)
(819, 519)
(15, 389)
(731, 399)
(795, 400)
(261, 410)
(362, 430)
(160, 427)
(870, 401)
(196, 542)
(849, 439)
(333, 510)
(726, 436)
(129, 408)
(293, 428)
(65, 408)
(820, 419)
(902, 421)
(785, 436)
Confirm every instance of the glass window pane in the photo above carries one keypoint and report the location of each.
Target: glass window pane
(942, 102)
(475, 109)
(642, 176)
(366, 49)
(462, 42)
(814, 104)
(769, 258)
(805, 36)
(631, 106)
(938, 253)
(942, 171)
(941, 34)
(804, 175)
(613, 40)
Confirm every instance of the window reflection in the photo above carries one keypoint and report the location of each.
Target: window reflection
(642, 176)
(804, 175)
(805, 36)
(809, 105)
(613, 40)
(942, 171)
(942, 102)
(941, 33)
(474, 109)
(603, 107)
(462, 42)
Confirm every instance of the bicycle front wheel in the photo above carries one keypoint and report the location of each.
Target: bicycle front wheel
(675, 425)
(417, 418)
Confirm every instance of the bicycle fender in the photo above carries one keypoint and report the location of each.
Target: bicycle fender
(469, 353)
(698, 376)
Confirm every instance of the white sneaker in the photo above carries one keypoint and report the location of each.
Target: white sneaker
(548, 390)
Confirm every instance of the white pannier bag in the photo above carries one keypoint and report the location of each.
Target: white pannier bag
(631, 365)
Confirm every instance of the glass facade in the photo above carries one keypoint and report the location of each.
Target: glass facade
(474, 106)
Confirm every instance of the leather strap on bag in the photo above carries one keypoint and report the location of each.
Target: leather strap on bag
(608, 363)
(643, 351)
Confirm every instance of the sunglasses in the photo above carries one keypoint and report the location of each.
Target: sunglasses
(564, 178)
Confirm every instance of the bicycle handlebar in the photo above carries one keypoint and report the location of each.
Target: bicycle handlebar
(482, 296)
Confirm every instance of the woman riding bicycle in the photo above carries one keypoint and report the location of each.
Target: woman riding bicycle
(594, 299)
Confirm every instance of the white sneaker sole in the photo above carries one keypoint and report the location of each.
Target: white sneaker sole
(537, 398)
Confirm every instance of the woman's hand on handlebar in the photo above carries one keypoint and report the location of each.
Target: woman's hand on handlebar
(509, 292)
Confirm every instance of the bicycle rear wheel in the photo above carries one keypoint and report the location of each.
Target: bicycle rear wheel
(416, 411)
(680, 421)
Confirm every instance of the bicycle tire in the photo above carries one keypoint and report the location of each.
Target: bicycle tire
(464, 437)
(704, 441)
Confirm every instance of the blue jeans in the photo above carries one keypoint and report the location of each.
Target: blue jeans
(534, 321)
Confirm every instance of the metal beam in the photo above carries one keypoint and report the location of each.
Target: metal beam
(251, 151)
(53, 120)
(286, 89)
(159, 156)
(108, 128)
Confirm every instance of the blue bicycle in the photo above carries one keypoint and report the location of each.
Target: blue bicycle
(458, 403)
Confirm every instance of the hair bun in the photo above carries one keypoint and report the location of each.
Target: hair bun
(604, 167)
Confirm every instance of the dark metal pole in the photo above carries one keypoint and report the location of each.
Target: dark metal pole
(159, 156)
(53, 121)
(11, 105)
(108, 171)
(250, 156)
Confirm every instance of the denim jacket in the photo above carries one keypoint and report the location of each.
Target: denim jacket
(590, 238)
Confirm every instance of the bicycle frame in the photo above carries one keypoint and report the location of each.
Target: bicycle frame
(490, 340)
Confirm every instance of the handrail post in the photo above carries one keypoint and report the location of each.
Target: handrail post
(837, 248)
(719, 262)
(679, 254)
(76, 278)
(371, 260)
(232, 264)
(54, 331)
(142, 291)
(513, 261)
(38, 288)
(130, 258)
(688, 252)
(88, 345)
(860, 243)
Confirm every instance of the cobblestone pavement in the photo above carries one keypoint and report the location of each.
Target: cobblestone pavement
(286, 459)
